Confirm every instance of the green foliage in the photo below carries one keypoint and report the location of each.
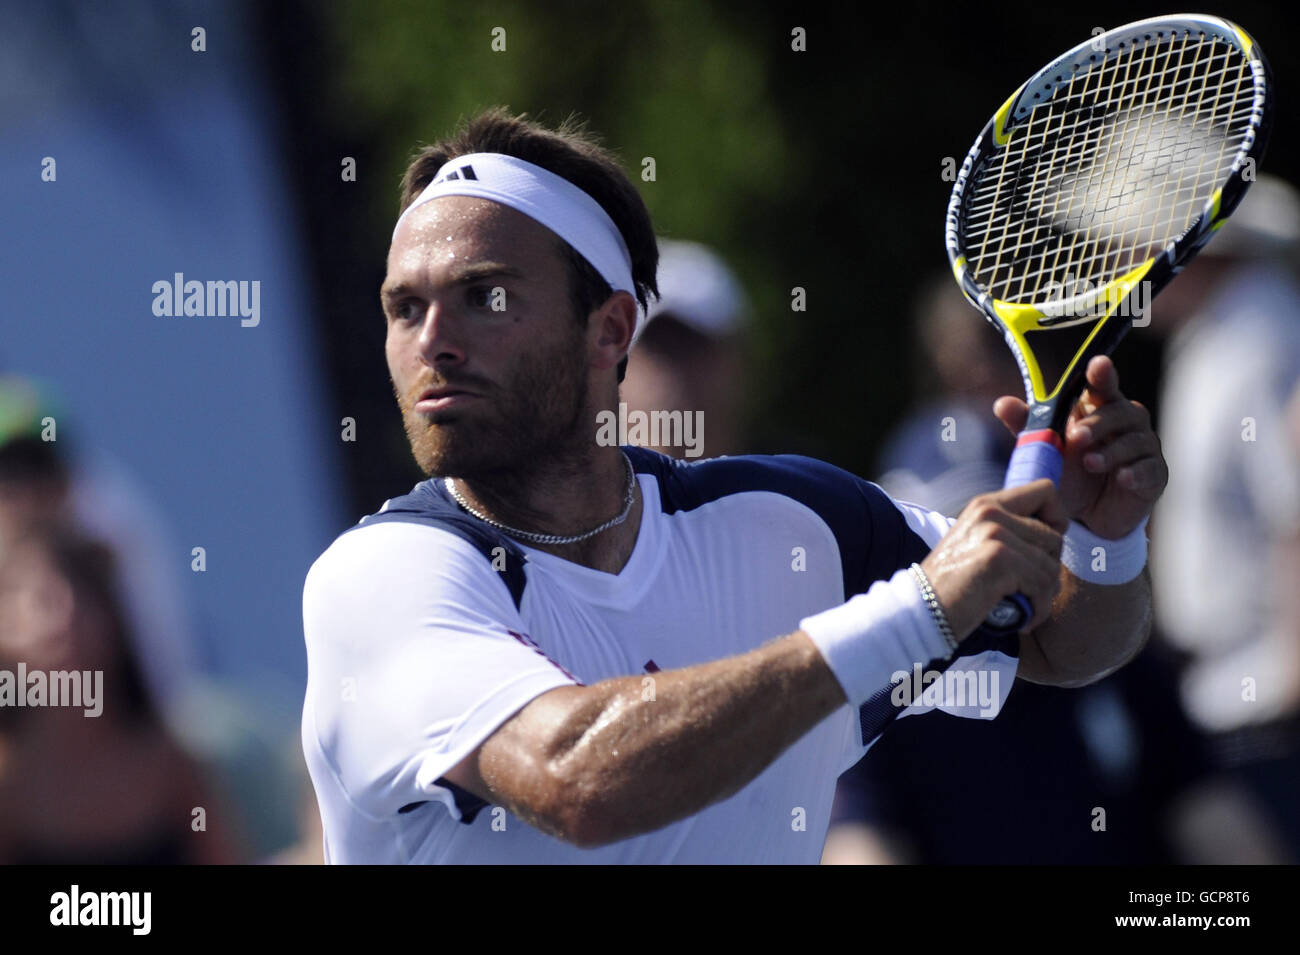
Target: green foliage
(688, 86)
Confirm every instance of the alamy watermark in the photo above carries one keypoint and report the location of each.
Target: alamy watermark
(179, 298)
(658, 429)
(71, 688)
(952, 687)
(75, 907)
(1081, 298)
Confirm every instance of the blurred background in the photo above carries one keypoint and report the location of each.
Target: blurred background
(166, 481)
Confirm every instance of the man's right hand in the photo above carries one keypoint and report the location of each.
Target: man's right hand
(1003, 543)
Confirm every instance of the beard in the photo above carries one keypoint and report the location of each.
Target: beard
(537, 412)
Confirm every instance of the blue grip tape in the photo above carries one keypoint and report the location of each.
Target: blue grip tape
(1033, 461)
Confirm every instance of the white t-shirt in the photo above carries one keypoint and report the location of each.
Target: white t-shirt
(426, 630)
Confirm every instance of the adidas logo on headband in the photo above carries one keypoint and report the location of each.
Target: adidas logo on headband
(542, 196)
(464, 172)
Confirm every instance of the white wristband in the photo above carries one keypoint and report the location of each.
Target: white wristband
(1102, 561)
(875, 635)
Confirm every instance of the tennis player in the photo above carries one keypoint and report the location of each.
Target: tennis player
(559, 649)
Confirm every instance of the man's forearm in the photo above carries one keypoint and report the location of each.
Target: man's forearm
(1094, 630)
(632, 754)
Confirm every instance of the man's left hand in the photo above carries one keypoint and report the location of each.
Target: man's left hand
(1114, 469)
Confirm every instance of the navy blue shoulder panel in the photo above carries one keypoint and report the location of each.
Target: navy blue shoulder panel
(430, 504)
(873, 537)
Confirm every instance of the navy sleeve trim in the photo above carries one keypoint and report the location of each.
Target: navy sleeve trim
(468, 804)
(429, 504)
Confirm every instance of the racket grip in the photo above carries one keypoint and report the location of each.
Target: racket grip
(1037, 455)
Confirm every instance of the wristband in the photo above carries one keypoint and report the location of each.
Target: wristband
(875, 635)
(1102, 561)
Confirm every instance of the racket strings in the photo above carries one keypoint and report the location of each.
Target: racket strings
(1114, 167)
(1165, 144)
(1109, 200)
(1068, 131)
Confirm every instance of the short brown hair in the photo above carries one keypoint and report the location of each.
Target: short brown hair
(573, 153)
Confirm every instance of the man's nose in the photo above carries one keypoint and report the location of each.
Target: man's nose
(439, 339)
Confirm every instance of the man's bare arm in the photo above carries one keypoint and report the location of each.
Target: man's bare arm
(1093, 631)
(596, 764)
(1113, 474)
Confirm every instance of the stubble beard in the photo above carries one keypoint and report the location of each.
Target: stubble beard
(540, 413)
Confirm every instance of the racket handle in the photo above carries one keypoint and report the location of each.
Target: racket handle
(1037, 455)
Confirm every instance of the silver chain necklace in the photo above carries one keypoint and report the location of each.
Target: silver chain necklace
(554, 538)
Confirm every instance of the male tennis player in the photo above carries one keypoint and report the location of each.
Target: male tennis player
(559, 649)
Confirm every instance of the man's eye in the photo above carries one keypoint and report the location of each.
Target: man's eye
(408, 310)
(480, 296)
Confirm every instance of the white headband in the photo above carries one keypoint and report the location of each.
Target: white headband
(539, 194)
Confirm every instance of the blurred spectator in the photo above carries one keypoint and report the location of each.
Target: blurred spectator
(1023, 788)
(48, 476)
(33, 475)
(79, 788)
(688, 354)
(952, 447)
(1226, 535)
(40, 480)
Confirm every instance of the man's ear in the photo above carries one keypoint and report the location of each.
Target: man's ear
(610, 330)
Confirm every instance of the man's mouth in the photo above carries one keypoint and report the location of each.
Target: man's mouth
(440, 399)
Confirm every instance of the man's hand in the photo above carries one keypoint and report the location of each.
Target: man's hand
(1114, 470)
(1003, 543)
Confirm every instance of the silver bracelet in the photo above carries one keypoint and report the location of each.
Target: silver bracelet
(936, 611)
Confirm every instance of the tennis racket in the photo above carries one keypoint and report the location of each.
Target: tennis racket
(1088, 191)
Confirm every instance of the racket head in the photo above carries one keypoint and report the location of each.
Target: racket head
(1097, 181)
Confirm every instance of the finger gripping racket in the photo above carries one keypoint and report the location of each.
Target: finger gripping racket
(1095, 184)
